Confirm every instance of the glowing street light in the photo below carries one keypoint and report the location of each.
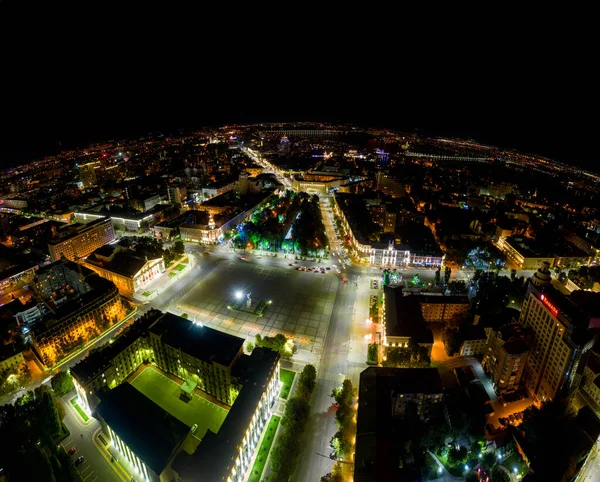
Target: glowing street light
(239, 294)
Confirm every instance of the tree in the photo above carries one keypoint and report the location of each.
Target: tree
(452, 341)
(61, 409)
(457, 456)
(499, 474)
(308, 378)
(471, 477)
(249, 347)
(447, 273)
(335, 475)
(438, 277)
(62, 383)
(178, 247)
(488, 459)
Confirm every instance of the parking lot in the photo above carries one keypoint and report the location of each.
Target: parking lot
(302, 301)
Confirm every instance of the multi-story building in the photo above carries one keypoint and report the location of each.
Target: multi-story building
(145, 203)
(390, 185)
(389, 255)
(474, 340)
(383, 395)
(130, 273)
(11, 358)
(523, 253)
(205, 355)
(134, 222)
(403, 320)
(111, 366)
(149, 437)
(177, 193)
(208, 360)
(505, 356)
(16, 277)
(82, 240)
(562, 335)
(87, 174)
(442, 308)
(81, 305)
(591, 380)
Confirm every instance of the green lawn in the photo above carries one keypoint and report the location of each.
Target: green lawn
(287, 378)
(263, 451)
(79, 410)
(172, 275)
(146, 293)
(185, 260)
(179, 267)
(165, 393)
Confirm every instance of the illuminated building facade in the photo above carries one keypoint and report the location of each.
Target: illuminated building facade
(562, 335)
(191, 352)
(505, 357)
(523, 253)
(82, 240)
(127, 271)
(94, 307)
(87, 174)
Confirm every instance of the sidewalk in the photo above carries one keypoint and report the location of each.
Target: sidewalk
(113, 457)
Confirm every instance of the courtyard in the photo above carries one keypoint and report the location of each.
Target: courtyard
(165, 393)
(301, 303)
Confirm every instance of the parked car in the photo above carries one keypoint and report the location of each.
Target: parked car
(80, 460)
(72, 450)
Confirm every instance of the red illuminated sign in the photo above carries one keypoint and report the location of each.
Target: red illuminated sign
(549, 305)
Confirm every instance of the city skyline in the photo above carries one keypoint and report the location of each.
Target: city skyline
(299, 300)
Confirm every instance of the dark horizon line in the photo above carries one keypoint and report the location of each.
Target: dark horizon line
(25, 156)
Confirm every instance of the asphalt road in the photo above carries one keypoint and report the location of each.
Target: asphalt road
(95, 467)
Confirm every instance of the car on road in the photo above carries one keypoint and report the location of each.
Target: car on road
(290, 264)
(327, 268)
(80, 460)
(72, 450)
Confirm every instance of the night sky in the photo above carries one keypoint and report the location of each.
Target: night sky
(532, 109)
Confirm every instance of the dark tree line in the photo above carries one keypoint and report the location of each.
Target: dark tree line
(31, 428)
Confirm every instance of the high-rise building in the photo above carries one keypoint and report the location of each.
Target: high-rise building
(505, 356)
(177, 193)
(87, 174)
(562, 335)
(82, 240)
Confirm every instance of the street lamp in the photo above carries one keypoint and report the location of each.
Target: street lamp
(239, 294)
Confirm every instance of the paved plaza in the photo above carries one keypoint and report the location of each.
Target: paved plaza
(302, 302)
(165, 393)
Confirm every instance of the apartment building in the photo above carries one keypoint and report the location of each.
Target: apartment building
(474, 340)
(505, 356)
(82, 240)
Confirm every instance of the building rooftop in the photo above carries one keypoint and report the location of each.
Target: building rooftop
(96, 362)
(121, 261)
(472, 332)
(403, 315)
(214, 458)
(529, 248)
(443, 299)
(377, 449)
(151, 433)
(201, 342)
(77, 229)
